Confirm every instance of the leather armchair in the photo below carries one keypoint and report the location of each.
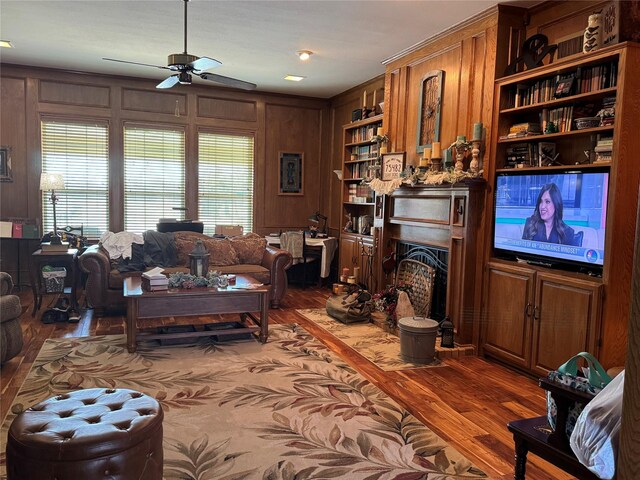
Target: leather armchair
(10, 311)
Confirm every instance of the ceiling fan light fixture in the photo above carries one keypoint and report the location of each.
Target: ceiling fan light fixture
(294, 78)
(184, 78)
(304, 55)
(6, 44)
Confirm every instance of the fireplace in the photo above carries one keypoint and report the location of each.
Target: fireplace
(438, 259)
(440, 225)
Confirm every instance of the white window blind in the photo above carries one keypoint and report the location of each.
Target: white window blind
(225, 180)
(80, 153)
(153, 176)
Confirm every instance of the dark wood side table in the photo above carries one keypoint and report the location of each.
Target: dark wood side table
(66, 259)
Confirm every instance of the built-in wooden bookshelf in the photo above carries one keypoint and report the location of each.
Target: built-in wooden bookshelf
(595, 309)
(358, 200)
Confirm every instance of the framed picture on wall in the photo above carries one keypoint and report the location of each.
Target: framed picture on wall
(5, 164)
(392, 165)
(291, 173)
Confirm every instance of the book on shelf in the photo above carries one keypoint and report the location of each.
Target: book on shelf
(17, 230)
(582, 80)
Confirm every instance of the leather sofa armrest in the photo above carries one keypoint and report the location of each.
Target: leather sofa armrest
(95, 262)
(277, 261)
(6, 283)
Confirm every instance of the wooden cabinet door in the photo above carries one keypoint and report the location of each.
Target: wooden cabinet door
(507, 320)
(565, 320)
(349, 252)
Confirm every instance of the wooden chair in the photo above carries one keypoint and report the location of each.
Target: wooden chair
(295, 243)
(536, 436)
(421, 277)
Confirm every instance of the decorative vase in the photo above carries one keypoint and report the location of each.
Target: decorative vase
(593, 34)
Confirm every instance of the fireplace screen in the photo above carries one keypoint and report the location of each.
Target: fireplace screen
(438, 258)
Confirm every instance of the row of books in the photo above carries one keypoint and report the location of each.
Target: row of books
(604, 150)
(524, 129)
(364, 152)
(562, 119)
(583, 80)
(360, 194)
(18, 229)
(540, 154)
(362, 134)
(359, 170)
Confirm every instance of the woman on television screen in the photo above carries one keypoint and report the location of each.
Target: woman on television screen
(546, 225)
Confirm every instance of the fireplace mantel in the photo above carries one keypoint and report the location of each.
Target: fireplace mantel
(445, 216)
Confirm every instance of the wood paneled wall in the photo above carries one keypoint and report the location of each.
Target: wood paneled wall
(278, 123)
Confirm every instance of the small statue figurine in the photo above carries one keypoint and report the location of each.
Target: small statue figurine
(348, 227)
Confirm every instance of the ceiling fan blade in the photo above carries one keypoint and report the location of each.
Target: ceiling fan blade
(204, 63)
(135, 63)
(168, 82)
(231, 82)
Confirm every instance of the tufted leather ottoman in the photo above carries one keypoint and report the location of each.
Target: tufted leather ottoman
(88, 434)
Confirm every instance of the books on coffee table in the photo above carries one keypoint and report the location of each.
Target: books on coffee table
(154, 280)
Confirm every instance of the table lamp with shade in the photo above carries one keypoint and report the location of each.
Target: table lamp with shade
(316, 217)
(52, 182)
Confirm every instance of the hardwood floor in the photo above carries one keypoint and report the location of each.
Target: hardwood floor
(468, 402)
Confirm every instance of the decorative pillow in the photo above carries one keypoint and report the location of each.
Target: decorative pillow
(249, 248)
(221, 253)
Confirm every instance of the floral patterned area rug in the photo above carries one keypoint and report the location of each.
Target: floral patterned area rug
(241, 410)
(370, 341)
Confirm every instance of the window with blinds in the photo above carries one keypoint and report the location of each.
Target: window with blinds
(80, 153)
(225, 180)
(153, 176)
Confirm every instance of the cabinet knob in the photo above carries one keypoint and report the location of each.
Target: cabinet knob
(536, 313)
(527, 310)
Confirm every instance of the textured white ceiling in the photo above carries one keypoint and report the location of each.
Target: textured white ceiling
(256, 41)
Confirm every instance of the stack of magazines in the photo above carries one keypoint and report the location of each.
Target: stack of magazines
(154, 280)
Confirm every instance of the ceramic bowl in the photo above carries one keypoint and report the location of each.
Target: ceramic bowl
(587, 122)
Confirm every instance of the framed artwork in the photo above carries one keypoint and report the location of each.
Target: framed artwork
(5, 164)
(392, 165)
(429, 111)
(291, 174)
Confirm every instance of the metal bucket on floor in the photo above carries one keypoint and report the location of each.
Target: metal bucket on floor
(418, 339)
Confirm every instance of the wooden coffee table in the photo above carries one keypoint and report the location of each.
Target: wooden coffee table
(197, 301)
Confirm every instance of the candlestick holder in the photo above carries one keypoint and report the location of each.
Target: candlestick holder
(436, 164)
(365, 112)
(476, 148)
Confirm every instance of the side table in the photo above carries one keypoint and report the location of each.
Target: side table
(39, 259)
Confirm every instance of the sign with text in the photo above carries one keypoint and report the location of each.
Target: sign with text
(392, 165)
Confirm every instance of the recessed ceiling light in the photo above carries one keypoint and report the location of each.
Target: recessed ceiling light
(304, 54)
(294, 78)
(5, 44)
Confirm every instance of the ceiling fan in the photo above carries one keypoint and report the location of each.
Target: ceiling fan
(186, 65)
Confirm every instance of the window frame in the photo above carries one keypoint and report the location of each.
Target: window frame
(229, 132)
(82, 120)
(184, 130)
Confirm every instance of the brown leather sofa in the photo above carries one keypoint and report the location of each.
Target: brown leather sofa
(104, 284)
(10, 310)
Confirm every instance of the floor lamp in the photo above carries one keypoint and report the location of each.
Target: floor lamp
(52, 182)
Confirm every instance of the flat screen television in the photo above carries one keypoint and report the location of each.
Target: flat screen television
(556, 218)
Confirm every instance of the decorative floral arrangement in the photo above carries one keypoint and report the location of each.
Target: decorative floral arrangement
(380, 138)
(387, 300)
(186, 280)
